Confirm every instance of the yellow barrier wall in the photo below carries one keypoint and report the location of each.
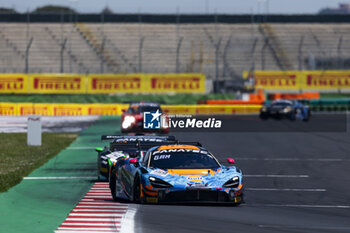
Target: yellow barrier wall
(211, 109)
(176, 83)
(58, 109)
(326, 80)
(301, 80)
(57, 83)
(102, 83)
(275, 79)
(13, 83)
(116, 83)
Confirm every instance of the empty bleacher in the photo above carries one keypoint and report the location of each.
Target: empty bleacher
(218, 50)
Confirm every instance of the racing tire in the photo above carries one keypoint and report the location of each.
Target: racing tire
(307, 117)
(112, 185)
(137, 191)
(292, 116)
(263, 116)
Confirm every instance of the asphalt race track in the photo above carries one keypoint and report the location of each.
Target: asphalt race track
(295, 182)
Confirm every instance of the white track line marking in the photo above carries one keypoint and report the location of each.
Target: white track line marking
(295, 159)
(59, 177)
(292, 190)
(277, 176)
(302, 206)
(128, 222)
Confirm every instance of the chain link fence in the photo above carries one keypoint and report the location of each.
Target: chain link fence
(221, 51)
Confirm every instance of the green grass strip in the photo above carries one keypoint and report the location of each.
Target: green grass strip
(164, 99)
(17, 159)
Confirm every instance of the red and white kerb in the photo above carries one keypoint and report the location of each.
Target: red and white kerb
(96, 212)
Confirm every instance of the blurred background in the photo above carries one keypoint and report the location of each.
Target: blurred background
(219, 39)
(234, 44)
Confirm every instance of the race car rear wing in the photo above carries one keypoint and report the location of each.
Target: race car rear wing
(140, 146)
(143, 138)
(143, 142)
(190, 143)
(147, 145)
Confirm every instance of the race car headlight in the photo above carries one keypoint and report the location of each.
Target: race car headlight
(287, 109)
(128, 121)
(232, 183)
(158, 183)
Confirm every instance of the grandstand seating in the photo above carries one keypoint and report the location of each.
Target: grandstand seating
(117, 46)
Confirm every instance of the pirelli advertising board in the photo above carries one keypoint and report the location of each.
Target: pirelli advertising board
(116, 83)
(176, 83)
(102, 83)
(326, 80)
(64, 109)
(270, 80)
(146, 83)
(56, 83)
(13, 83)
(300, 80)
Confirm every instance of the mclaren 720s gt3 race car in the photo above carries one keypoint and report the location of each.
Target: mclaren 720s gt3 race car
(125, 147)
(175, 172)
(290, 109)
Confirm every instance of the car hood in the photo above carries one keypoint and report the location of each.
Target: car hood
(190, 177)
(278, 107)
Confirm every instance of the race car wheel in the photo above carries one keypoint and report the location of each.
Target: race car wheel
(307, 115)
(112, 185)
(263, 116)
(137, 191)
(293, 115)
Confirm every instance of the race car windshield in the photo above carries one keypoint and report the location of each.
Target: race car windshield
(141, 109)
(282, 104)
(133, 153)
(149, 109)
(183, 160)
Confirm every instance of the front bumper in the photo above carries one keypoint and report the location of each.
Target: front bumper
(276, 114)
(192, 196)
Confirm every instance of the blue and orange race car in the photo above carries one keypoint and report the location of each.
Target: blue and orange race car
(290, 109)
(125, 146)
(176, 172)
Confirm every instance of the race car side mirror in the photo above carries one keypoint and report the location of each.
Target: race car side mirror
(123, 110)
(98, 149)
(230, 160)
(133, 161)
